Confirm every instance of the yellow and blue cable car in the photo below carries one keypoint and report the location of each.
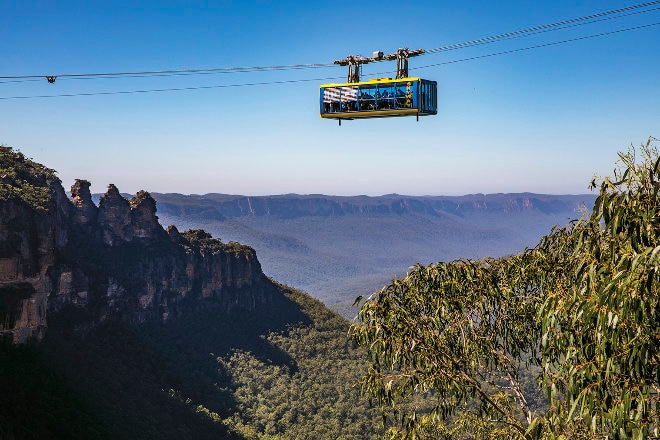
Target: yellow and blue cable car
(378, 98)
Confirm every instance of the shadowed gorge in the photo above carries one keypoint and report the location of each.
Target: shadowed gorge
(286, 371)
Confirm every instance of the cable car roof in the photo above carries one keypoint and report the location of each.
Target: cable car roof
(372, 81)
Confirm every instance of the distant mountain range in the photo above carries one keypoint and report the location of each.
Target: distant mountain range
(337, 248)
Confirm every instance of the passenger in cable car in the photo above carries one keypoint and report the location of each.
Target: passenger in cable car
(384, 103)
(366, 101)
(400, 98)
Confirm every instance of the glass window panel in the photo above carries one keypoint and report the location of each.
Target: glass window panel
(349, 96)
(331, 99)
(400, 94)
(386, 100)
(367, 97)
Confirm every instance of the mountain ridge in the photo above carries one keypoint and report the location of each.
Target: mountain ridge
(219, 205)
(339, 247)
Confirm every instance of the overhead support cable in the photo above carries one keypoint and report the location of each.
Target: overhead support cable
(564, 24)
(401, 55)
(481, 42)
(174, 71)
(172, 89)
(538, 46)
(544, 27)
(126, 92)
(615, 13)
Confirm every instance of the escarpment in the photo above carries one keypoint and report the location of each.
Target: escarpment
(88, 263)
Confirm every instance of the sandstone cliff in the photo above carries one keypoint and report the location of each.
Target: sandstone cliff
(112, 261)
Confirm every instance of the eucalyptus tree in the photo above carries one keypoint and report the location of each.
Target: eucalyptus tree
(601, 324)
(463, 334)
(580, 311)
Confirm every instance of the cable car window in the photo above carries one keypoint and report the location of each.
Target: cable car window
(348, 99)
(367, 97)
(423, 95)
(330, 99)
(386, 97)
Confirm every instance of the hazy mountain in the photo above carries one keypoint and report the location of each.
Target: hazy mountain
(337, 248)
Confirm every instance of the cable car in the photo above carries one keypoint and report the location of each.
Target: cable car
(381, 97)
(378, 98)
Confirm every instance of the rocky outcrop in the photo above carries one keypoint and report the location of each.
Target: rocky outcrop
(143, 217)
(112, 261)
(85, 212)
(115, 217)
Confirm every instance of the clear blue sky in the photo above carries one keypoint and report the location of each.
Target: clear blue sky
(542, 120)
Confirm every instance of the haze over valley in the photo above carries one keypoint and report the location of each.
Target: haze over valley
(337, 248)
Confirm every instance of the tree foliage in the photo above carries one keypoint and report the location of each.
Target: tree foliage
(580, 311)
(311, 397)
(25, 180)
(464, 332)
(204, 241)
(601, 337)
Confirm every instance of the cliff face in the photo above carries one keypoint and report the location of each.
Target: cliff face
(91, 263)
(28, 239)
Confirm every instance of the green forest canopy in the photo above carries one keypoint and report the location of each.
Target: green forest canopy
(579, 311)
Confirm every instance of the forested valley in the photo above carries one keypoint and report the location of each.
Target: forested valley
(288, 372)
(557, 341)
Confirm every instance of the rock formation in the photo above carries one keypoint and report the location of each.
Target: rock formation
(114, 261)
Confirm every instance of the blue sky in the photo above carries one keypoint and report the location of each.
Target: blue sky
(542, 120)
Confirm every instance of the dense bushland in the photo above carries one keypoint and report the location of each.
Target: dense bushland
(581, 310)
(286, 372)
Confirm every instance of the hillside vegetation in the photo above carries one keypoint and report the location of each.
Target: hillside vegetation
(24, 180)
(288, 372)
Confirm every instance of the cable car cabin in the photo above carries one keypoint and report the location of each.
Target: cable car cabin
(379, 98)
